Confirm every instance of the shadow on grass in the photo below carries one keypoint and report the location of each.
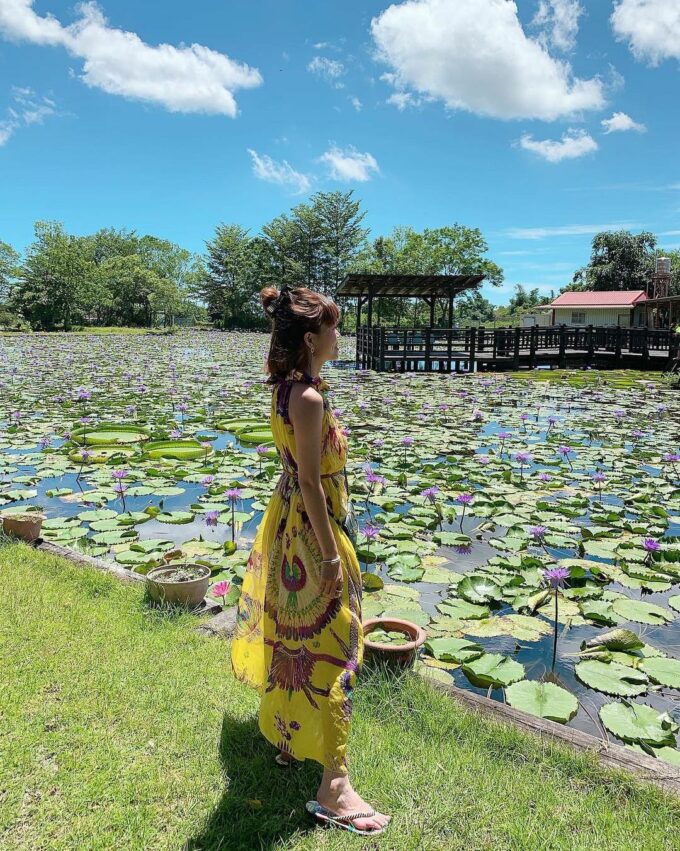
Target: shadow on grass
(263, 804)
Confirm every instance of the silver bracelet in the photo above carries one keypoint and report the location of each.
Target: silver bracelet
(330, 560)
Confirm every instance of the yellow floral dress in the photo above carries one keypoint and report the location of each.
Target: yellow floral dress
(300, 649)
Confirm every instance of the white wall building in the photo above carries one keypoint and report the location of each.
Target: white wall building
(606, 308)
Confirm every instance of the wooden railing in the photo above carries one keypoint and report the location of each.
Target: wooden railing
(382, 348)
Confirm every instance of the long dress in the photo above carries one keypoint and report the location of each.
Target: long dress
(300, 649)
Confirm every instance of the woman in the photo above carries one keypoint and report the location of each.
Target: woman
(299, 638)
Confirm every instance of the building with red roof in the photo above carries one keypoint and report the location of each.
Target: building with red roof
(608, 307)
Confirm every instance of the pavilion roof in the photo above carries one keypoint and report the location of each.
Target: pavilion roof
(407, 285)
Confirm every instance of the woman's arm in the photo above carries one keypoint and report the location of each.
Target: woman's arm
(305, 410)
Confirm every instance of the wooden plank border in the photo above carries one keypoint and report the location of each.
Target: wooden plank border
(610, 755)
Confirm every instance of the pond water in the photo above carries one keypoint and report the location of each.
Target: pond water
(577, 471)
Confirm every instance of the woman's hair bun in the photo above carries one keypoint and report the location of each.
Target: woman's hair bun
(268, 296)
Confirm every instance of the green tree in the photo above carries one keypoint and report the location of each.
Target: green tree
(619, 260)
(230, 285)
(451, 250)
(54, 279)
(9, 270)
(315, 244)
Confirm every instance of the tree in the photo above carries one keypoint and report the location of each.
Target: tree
(342, 235)
(452, 250)
(9, 270)
(523, 299)
(315, 245)
(619, 260)
(230, 284)
(54, 280)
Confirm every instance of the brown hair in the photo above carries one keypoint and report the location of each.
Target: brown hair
(293, 312)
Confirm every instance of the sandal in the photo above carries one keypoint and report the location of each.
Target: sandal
(328, 817)
(279, 760)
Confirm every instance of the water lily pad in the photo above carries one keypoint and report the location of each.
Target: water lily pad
(611, 678)
(453, 649)
(637, 722)
(665, 672)
(641, 612)
(545, 700)
(493, 669)
(175, 517)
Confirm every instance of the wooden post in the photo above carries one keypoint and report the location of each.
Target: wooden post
(645, 346)
(359, 305)
(591, 345)
(431, 311)
(533, 337)
(428, 349)
(449, 337)
(617, 343)
(403, 360)
(370, 306)
(515, 358)
(472, 350)
(562, 358)
(450, 309)
(382, 349)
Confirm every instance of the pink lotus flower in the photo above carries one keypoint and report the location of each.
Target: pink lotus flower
(221, 589)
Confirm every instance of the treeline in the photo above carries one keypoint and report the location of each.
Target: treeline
(115, 277)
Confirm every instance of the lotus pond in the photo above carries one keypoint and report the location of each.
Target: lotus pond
(492, 507)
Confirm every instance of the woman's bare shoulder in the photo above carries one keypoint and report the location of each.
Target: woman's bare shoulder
(305, 398)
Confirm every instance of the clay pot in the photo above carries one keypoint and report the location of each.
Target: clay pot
(399, 655)
(25, 525)
(187, 593)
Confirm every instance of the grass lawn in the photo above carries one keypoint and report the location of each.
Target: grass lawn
(122, 728)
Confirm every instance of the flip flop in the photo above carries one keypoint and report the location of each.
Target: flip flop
(327, 816)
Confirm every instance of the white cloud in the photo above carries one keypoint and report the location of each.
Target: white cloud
(559, 22)
(349, 164)
(474, 55)
(282, 173)
(574, 143)
(28, 108)
(182, 79)
(329, 69)
(651, 28)
(620, 122)
(566, 230)
(19, 22)
(356, 103)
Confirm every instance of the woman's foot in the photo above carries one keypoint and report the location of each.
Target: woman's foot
(284, 758)
(341, 799)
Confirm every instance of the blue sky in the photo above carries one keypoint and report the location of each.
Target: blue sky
(540, 122)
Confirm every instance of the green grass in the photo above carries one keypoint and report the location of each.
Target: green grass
(121, 728)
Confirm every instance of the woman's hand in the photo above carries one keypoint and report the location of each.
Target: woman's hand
(331, 578)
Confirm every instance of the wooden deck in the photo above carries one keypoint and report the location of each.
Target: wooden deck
(481, 349)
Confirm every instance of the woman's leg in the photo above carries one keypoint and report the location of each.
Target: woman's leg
(336, 793)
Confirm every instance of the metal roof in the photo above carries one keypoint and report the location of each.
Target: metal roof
(407, 285)
(605, 298)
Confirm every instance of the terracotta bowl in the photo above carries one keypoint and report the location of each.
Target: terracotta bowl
(401, 655)
(25, 525)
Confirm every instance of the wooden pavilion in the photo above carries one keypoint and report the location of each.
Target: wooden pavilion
(387, 348)
(366, 288)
